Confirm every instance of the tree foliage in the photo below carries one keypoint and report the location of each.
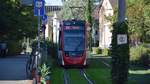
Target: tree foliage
(88, 12)
(69, 13)
(138, 14)
(16, 21)
(137, 28)
(83, 13)
(88, 17)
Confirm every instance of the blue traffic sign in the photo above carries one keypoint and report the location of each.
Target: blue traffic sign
(44, 19)
(39, 9)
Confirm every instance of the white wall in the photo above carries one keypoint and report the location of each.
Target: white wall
(53, 2)
(47, 31)
(56, 26)
(106, 34)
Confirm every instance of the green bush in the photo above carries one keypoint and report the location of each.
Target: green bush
(105, 51)
(98, 50)
(51, 47)
(139, 55)
(48, 43)
(145, 59)
(14, 48)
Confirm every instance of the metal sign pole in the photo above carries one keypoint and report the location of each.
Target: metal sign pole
(38, 11)
(38, 29)
(38, 37)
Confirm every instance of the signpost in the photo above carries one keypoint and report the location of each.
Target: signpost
(44, 21)
(44, 50)
(121, 39)
(39, 5)
(38, 11)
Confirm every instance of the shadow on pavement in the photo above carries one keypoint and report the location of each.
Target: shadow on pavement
(13, 68)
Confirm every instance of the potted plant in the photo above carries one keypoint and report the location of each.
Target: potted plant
(45, 71)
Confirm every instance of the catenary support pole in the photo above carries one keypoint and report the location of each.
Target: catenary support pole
(121, 10)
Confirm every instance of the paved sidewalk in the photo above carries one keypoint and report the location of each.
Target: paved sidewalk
(13, 70)
(16, 82)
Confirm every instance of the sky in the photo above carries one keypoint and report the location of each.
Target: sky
(53, 2)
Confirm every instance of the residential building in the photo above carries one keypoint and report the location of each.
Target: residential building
(104, 10)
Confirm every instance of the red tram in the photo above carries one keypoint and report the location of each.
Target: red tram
(72, 43)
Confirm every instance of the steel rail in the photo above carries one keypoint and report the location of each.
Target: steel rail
(83, 73)
(65, 76)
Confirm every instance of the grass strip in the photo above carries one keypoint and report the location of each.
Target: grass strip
(98, 72)
(57, 76)
(75, 77)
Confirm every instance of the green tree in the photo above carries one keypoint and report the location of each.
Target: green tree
(138, 18)
(77, 10)
(16, 22)
(88, 15)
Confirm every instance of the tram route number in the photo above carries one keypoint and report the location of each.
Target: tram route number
(121, 39)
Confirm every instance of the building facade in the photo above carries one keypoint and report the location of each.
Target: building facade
(104, 10)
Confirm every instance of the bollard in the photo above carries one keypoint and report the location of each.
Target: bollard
(34, 72)
(38, 76)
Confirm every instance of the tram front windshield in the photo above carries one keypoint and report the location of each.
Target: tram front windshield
(74, 42)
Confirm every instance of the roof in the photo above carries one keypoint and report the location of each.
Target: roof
(97, 8)
(95, 13)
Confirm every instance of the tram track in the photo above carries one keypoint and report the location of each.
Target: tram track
(82, 75)
(65, 76)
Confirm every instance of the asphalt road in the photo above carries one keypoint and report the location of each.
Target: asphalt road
(13, 70)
